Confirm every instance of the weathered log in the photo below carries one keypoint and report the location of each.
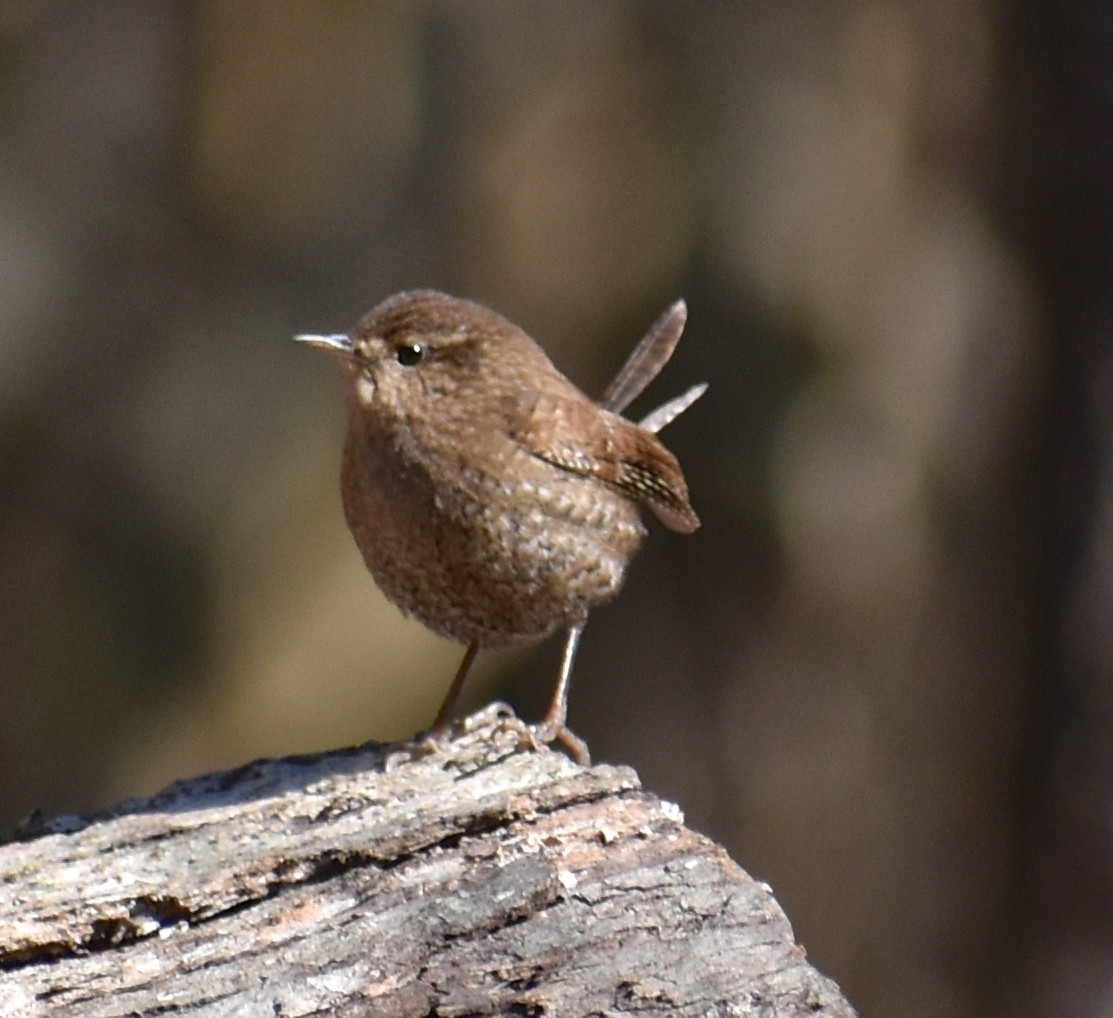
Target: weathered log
(484, 877)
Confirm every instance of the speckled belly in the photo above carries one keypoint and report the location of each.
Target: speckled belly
(495, 561)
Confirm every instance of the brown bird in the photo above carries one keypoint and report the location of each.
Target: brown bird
(491, 499)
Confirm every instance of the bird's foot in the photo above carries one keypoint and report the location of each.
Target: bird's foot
(544, 733)
(490, 732)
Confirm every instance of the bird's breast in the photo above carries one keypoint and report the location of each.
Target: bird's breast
(500, 547)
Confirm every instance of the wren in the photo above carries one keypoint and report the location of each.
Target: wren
(490, 498)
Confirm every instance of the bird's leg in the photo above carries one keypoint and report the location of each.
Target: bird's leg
(557, 713)
(447, 712)
(554, 727)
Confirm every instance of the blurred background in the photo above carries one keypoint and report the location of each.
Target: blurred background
(879, 674)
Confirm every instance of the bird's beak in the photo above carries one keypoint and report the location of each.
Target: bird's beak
(337, 343)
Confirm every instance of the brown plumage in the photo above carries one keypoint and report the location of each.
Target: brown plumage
(490, 498)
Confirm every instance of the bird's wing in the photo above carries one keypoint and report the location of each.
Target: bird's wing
(583, 438)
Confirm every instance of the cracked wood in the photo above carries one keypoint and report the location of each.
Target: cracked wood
(484, 878)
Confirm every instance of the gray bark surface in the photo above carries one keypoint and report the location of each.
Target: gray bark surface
(482, 878)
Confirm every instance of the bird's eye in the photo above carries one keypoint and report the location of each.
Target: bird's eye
(408, 356)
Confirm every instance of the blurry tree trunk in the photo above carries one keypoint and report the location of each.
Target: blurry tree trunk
(478, 879)
(1057, 199)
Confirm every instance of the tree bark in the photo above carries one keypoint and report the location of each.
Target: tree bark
(482, 877)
